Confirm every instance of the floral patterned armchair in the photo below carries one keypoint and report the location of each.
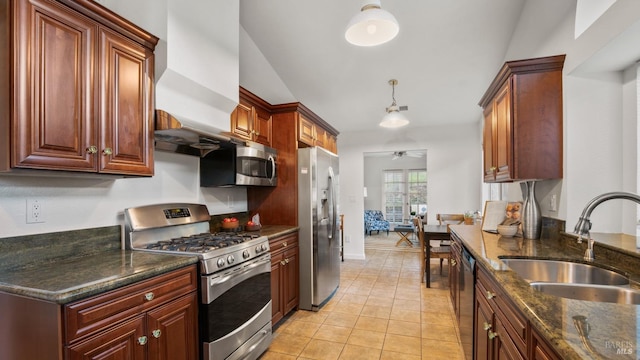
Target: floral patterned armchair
(374, 221)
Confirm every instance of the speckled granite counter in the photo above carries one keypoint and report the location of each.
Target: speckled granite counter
(67, 266)
(614, 328)
(274, 231)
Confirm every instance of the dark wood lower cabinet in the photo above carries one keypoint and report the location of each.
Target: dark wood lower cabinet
(154, 319)
(284, 276)
(501, 331)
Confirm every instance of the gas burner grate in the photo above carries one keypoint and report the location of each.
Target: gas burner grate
(202, 243)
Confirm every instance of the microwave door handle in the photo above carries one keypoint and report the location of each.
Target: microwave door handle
(272, 161)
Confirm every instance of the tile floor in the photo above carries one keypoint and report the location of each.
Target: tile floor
(380, 311)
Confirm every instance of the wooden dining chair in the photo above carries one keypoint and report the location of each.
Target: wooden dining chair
(429, 252)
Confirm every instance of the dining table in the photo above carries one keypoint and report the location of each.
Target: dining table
(432, 233)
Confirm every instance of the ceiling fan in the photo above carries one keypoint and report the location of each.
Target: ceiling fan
(400, 154)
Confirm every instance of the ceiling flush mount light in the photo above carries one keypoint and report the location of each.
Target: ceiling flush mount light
(394, 119)
(372, 25)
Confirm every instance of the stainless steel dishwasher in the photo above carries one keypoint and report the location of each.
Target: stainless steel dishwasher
(466, 286)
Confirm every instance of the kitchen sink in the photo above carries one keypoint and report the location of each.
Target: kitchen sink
(599, 293)
(558, 271)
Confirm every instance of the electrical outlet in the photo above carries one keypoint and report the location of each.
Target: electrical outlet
(553, 203)
(35, 211)
(347, 239)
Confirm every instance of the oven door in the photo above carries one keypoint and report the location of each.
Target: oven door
(235, 311)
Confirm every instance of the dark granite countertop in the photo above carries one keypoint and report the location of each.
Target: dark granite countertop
(274, 231)
(67, 266)
(614, 328)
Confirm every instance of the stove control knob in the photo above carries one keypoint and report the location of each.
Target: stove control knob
(245, 254)
(258, 249)
(221, 262)
(264, 247)
(230, 259)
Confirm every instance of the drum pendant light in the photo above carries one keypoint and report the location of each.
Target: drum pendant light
(394, 119)
(372, 25)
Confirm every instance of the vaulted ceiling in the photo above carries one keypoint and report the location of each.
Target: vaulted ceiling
(444, 58)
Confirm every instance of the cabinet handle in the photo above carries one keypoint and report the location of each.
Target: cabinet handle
(492, 335)
(92, 149)
(149, 296)
(156, 333)
(142, 340)
(257, 133)
(107, 151)
(453, 262)
(490, 295)
(284, 244)
(282, 262)
(486, 326)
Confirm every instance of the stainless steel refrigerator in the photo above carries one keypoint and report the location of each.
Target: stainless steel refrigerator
(318, 219)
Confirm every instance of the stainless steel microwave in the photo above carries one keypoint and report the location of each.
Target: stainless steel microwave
(252, 164)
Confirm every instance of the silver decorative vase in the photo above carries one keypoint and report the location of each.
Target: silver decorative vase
(531, 217)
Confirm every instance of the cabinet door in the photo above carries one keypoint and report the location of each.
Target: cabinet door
(262, 125)
(242, 121)
(290, 279)
(488, 135)
(172, 330)
(504, 348)
(483, 324)
(126, 71)
(306, 131)
(321, 137)
(121, 342)
(53, 118)
(502, 142)
(277, 303)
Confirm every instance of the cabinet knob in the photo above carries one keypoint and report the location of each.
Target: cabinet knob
(492, 335)
(490, 295)
(286, 261)
(282, 262)
(486, 326)
(149, 296)
(107, 151)
(284, 244)
(142, 340)
(493, 169)
(156, 333)
(453, 262)
(92, 149)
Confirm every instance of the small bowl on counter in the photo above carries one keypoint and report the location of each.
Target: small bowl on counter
(507, 230)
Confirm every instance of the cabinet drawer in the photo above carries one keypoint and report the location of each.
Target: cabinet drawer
(283, 243)
(87, 316)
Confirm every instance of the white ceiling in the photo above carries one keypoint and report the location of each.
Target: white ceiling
(445, 56)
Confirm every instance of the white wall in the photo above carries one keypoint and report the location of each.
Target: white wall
(453, 166)
(75, 203)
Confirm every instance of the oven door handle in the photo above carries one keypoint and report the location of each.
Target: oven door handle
(215, 285)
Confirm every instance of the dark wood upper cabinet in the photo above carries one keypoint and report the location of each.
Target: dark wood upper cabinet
(522, 136)
(82, 93)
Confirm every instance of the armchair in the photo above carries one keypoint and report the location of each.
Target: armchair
(374, 221)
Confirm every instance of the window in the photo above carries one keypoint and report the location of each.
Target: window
(405, 191)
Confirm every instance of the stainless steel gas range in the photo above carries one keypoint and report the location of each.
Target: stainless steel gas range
(235, 275)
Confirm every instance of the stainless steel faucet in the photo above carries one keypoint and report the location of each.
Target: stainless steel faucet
(584, 224)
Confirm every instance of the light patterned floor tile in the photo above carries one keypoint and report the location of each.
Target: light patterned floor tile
(380, 311)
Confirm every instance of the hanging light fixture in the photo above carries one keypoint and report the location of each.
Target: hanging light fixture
(372, 25)
(393, 118)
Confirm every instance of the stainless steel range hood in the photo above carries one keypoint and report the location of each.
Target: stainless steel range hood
(187, 137)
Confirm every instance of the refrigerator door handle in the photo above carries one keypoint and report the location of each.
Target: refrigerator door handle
(333, 219)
